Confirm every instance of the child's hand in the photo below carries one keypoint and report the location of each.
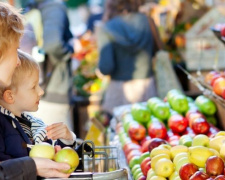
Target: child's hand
(57, 148)
(59, 131)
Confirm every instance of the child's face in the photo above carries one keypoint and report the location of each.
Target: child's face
(28, 94)
(8, 64)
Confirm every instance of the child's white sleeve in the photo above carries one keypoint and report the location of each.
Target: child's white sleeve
(69, 142)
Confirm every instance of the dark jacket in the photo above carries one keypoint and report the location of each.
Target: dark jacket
(18, 169)
(13, 139)
(126, 47)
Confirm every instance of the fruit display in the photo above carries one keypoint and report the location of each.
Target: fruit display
(172, 139)
(66, 155)
(215, 81)
(85, 80)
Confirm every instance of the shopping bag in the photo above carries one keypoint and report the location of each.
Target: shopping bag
(166, 78)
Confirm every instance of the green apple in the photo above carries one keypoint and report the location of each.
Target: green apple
(179, 103)
(172, 93)
(200, 140)
(161, 110)
(43, 150)
(164, 167)
(143, 156)
(152, 102)
(181, 162)
(134, 160)
(140, 113)
(69, 156)
(185, 140)
(135, 167)
(212, 120)
(137, 172)
(205, 105)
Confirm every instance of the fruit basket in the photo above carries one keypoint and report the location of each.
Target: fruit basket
(102, 164)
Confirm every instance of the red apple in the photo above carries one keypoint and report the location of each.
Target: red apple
(144, 147)
(223, 94)
(199, 175)
(157, 130)
(142, 178)
(214, 166)
(177, 123)
(146, 138)
(187, 170)
(210, 178)
(129, 147)
(222, 32)
(146, 165)
(209, 76)
(137, 132)
(155, 142)
(200, 126)
(220, 177)
(214, 79)
(219, 86)
(192, 116)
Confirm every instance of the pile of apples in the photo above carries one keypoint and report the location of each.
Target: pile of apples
(203, 159)
(177, 121)
(216, 80)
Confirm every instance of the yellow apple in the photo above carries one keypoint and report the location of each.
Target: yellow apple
(216, 142)
(216, 153)
(173, 175)
(150, 174)
(69, 156)
(157, 178)
(43, 150)
(220, 133)
(166, 146)
(158, 157)
(178, 149)
(159, 150)
(181, 162)
(222, 151)
(200, 140)
(179, 156)
(164, 167)
(199, 154)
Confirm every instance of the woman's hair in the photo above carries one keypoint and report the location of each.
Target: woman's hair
(117, 7)
(27, 67)
(11, 26)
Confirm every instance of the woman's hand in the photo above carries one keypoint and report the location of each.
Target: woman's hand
(59, 131)
(48, 168)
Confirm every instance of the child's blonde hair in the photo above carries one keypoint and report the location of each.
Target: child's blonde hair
(27, 67)
(11, 26)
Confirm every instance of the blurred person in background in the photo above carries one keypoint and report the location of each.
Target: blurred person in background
(126, 47)
(58, 49)
(96, 13)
